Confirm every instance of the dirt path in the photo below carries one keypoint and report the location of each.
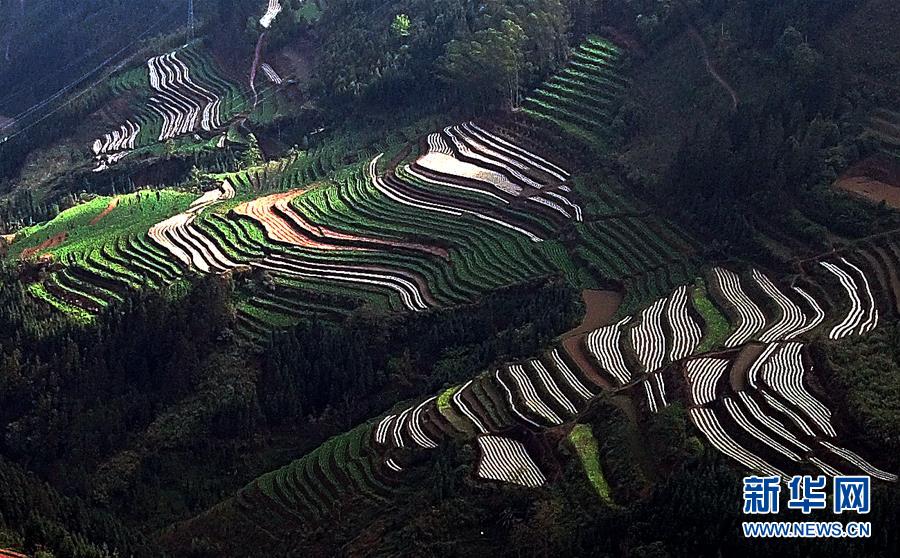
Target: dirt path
(51, 242)
(113, 203)
(255, 66)
(741, 365)
(735, 100)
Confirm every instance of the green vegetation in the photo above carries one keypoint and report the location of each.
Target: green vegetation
(582, 439)
(866, 369)
(231, 411)
(443, 400)
(581, 101)
(40, 292)
(134, 213)
(716, 326)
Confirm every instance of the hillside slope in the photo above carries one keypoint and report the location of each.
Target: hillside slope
(410, 278)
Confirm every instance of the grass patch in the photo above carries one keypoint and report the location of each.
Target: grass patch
(582, 439)
(136, 213)
(443, 400)
(717, 326)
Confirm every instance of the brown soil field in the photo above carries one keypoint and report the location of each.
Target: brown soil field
(877, 179)
(45, 245)
(575, 348)
(741, 365)
(601, 307)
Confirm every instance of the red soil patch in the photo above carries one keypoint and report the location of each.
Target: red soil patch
(113, 203)
(601, 308)
(285, 225)
(877, 179)
(51, 242)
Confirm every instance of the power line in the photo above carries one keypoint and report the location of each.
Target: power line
(73, 84)
(191, 17)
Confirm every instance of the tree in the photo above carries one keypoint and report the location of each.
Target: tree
(400, 26)
(487, 66)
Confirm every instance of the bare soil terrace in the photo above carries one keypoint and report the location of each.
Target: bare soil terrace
(877, 179)
(51, 242)
(601, 307)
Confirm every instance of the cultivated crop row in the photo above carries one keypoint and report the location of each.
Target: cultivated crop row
(272, 10)
(186, 96)
(771, 422)
(762, 411)
(582, 99)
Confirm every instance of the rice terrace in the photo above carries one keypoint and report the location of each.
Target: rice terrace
(447, 277)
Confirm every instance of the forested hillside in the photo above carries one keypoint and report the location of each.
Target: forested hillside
(419, 278)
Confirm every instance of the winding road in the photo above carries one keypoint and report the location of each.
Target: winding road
(735, 100)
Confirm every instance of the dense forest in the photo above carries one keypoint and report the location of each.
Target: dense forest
(241, 247)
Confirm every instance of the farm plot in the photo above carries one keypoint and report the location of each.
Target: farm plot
(507, 460)
(863, 314)
(344, 468)
(283, 223)
(469, 159)
(644, 255)
(186, 243)
(581, 101)
(417, 240)
(769, 424)
(272, 10)
(103, 252)
(184, 94)
(755, 405)
(773, 422)
(793, 311)
(677, 327)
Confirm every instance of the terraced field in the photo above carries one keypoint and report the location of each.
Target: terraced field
(463, 211)
(443, 228)
(272, 11)
(748, 389)
(177, 93)
(582, 100)
(884, 124)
